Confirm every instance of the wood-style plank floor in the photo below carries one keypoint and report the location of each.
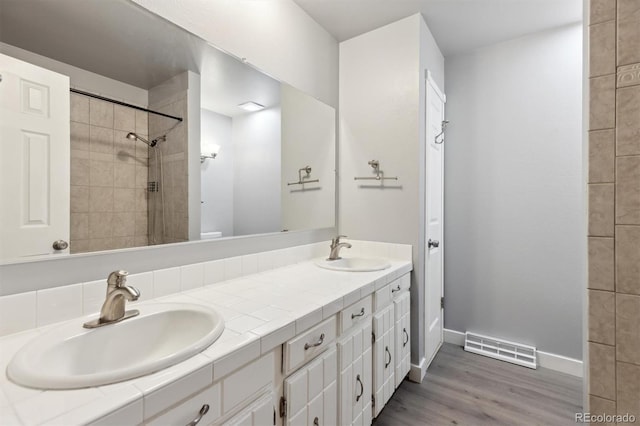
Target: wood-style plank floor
(461, 388)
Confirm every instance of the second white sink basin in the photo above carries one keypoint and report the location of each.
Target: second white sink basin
(354, 264)
(70, 356)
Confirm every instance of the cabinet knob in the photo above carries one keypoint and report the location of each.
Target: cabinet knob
(316, 422)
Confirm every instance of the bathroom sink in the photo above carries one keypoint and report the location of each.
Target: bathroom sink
(354, 264)
(70, 356)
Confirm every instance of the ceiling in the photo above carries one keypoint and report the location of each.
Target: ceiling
(457, 25)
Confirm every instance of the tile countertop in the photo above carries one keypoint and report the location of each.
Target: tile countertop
(261, 312)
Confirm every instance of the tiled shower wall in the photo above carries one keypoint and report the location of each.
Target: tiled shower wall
(169, 223)
(108, 176)
(614, 207)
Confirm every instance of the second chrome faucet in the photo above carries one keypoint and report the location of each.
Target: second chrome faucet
(336, 245)
(118, 293)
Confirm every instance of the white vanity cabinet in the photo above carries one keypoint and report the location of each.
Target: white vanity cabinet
(391, 340)
(260, 413)
(402, 311)
(310, 388)
(311, 393)
(354, 362)
(383, 357)
(244, 397)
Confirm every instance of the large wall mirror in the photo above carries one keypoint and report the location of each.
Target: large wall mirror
(120, 129)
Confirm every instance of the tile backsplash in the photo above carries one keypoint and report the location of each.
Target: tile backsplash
(23, 311)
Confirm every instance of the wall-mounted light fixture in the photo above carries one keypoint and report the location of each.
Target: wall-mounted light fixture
(251, 106)
(209, 151)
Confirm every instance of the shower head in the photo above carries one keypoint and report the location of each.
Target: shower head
(134, 137)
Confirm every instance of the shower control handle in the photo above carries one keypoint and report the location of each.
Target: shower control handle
(433, 243)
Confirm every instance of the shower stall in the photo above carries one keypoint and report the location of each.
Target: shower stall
(125, 175)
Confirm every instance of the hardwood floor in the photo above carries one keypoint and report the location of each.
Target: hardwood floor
(461, 388)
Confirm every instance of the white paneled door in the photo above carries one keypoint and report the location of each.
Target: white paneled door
(434, 290)
(34, 159)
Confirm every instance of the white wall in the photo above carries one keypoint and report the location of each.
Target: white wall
(82, 79)
(514, 245)
(217, 186)
(256, 172)
(381, 118)
(277, 37)
(308, 139)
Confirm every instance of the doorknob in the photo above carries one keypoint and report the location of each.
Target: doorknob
(433, 243)
(60, 245)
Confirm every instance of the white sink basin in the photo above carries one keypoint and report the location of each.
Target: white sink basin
(354, 264)
(70, 356)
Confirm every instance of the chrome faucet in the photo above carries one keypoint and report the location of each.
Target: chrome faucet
(336, 245)
(118, 293)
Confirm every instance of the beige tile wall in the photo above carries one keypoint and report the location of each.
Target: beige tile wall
(172, 225)
(108, 176)
(614, 207)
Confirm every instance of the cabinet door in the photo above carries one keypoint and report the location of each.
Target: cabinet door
(354, 364)
(383, 354)
(259, 413)
(402, 307)
(311, 392)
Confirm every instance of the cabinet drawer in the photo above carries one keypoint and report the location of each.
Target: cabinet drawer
(400, 286)
(306, 346)
(185, 412)
(355, 314)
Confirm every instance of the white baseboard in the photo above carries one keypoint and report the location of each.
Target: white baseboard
(548, 360)
(561, 363)
(417, 372)
(454, 337)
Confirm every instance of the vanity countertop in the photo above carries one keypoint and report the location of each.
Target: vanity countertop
(261, 311)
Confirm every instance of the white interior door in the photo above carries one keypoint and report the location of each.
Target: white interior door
(34, 159)
(434, 290)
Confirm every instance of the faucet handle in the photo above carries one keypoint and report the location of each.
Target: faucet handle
(117, 278)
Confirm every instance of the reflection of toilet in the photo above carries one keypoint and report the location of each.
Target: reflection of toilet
(210, 235)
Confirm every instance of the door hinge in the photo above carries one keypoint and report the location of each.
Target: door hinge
(442, 303)
(274, 416)
(373, 337)
(373, 401)
(283, 406)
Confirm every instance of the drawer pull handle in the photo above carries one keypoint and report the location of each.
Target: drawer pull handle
(204, 410)
(393, 290)
(404, 330)
(361, 314)
(312, 345)
(316, 422)
(361, 388)
(388, 362)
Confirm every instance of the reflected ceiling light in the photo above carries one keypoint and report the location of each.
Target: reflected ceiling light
(251, 106)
